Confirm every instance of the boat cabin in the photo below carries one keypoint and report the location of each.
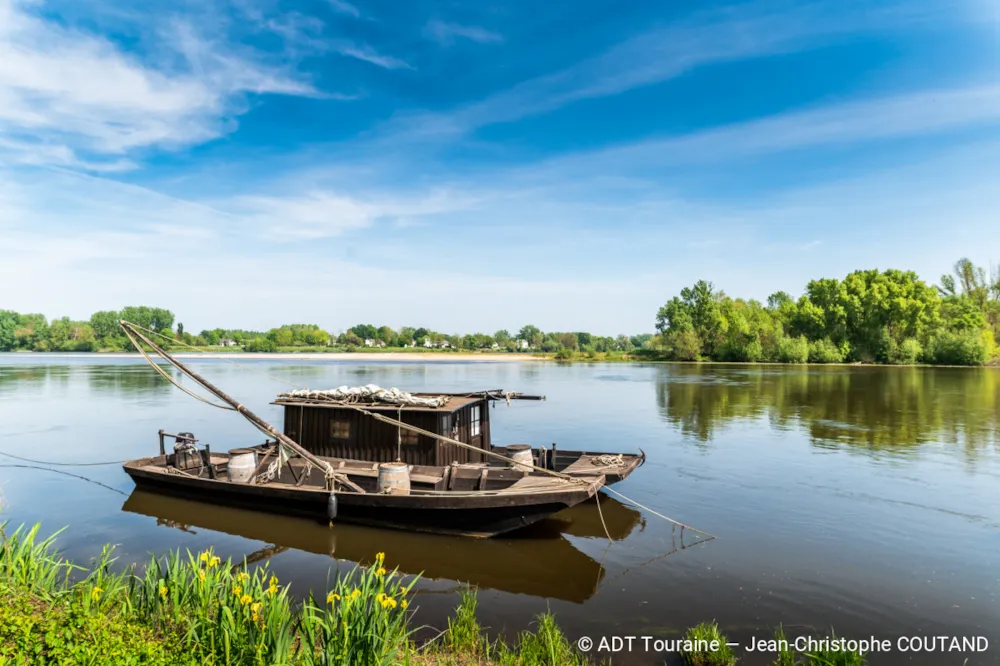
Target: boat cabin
(332, 429)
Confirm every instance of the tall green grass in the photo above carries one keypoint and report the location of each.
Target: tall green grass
(195, 608)
(224, 614)
(705, 633)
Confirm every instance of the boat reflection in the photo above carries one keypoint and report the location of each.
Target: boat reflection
(540, 561)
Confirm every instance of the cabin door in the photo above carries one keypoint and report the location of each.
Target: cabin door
(476, 426)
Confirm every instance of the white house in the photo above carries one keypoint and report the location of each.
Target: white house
(226, 342)
(522, 344)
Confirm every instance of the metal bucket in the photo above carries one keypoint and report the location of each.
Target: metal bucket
(521, 454)
(242, 463)
(394, 478)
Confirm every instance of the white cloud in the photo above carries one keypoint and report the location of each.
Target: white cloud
(368, 54)
(73, 93)
(445, 33)
(324, 213)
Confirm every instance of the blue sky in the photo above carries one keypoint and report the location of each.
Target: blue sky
(471, 166)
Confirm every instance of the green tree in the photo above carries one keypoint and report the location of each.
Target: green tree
(698, 309)
(532, 335)
(32, 332)
(365, 331)
(8, 324)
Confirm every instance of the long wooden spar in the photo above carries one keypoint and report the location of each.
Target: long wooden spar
(260, 423)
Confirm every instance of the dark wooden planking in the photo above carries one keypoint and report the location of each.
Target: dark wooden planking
(310, 426)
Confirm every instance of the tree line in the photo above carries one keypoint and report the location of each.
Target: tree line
(870, 316)
(33, 332)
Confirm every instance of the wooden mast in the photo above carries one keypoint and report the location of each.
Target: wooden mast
(247, 414)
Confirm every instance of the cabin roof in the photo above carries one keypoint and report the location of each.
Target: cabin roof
(454, 403)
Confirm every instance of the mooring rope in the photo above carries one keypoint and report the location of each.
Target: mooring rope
(59, 471)
(61, 464)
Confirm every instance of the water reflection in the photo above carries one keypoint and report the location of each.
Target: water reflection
(542, 562)
(878, 408)
(129, 381)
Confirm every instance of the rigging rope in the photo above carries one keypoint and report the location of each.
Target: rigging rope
(163, 373)
(220, 357)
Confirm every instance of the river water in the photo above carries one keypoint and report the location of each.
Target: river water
(864, 499)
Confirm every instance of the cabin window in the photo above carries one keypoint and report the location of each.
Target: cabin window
(340, 429)
(409, 438)
(474, 421)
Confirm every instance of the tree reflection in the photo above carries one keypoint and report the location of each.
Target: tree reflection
(129, 379)
(879, 408)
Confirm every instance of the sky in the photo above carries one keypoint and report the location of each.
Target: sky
(470, 166)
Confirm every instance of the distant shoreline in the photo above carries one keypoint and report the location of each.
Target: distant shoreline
(432, 357)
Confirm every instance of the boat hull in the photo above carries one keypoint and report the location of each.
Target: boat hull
(480, 515)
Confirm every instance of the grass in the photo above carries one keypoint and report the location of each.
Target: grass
(835, 657)
(703, 635)
(786, 656)
(195, 608)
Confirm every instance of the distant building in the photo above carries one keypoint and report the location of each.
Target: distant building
(227, 342)
(522, 344)
(428, 343)
(369, 343)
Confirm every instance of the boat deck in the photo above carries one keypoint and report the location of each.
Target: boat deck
(614, 467)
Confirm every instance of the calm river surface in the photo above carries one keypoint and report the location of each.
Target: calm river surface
(867, 499)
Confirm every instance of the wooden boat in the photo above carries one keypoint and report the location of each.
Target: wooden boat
(473, 498)
(472, 501)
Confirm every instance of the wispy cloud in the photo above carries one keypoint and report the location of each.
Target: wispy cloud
(345, 8)
(327, 213)
(80, 99)
(919, 114)
(747, 31)
(367, 53)
(445, 33)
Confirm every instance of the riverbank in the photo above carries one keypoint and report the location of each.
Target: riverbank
(191, 609)
(430, 357)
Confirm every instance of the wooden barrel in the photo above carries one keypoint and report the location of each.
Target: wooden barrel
(242, 463)
(521, 454)
(187, 459)
(394, 478)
